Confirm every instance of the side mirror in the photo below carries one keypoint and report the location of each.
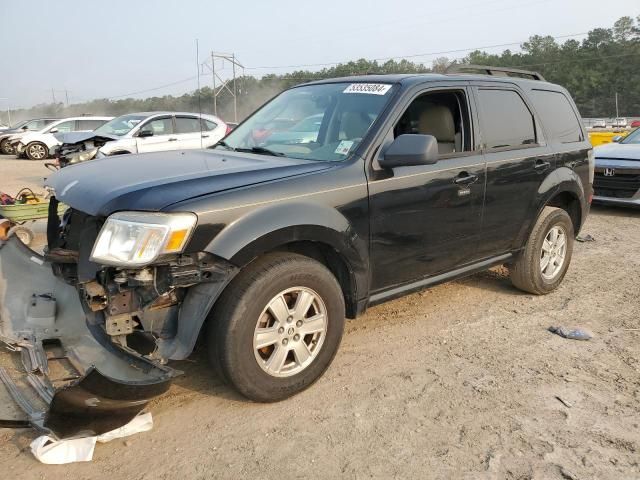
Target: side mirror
(145, 133)
(53, 130)
(617, 139)
(409, 149)
(25, 128)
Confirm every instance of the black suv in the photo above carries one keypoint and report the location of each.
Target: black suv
(336, 195)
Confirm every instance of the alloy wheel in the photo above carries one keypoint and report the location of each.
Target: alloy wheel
(554, 250)
(290, 332)
(37, 152)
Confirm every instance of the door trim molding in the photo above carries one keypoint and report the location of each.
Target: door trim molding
(407, 288)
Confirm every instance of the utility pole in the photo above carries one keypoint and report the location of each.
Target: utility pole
(213, 72)
(235, 92)
(53, 95)
(66, 95)
(224, 84)
(617, 112)
(8, 110)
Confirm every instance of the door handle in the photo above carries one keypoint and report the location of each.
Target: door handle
(464, 178)
(173, 140)
(542, 165)
(205, 136)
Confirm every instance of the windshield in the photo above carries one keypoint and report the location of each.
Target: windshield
(120, 126)
(632, 138)
(317, 122)
(20, 124)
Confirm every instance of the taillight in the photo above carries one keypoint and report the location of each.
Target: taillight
(228, 130)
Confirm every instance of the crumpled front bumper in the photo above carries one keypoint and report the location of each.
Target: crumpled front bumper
(42, 320)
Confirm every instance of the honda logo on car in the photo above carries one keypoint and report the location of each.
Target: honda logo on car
(609, 172)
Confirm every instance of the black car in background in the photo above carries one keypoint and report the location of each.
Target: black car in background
(266, 247)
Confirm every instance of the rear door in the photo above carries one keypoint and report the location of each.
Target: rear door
(163, 137)
(518, 159)
(188, 132)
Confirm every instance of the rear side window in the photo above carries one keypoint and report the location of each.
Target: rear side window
(187, 125)
(557, 115)
(208, 125)
(505, 120)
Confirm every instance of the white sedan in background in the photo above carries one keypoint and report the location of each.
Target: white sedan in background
(144, 132)
(43, 143)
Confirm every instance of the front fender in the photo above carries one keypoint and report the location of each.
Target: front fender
(267, 228)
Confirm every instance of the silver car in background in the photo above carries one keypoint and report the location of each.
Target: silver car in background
(617, 172)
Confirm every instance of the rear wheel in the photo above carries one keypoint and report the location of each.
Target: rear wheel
(277, 326)
(37, 151)
(546, 257)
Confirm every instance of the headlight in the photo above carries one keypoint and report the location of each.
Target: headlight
(83, 156)
(138, 238)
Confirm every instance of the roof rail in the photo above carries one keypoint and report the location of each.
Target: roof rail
(495, 71)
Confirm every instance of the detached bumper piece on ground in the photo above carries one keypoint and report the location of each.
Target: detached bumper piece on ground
(77, 382)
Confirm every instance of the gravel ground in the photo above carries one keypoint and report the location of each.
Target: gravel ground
(459, 381)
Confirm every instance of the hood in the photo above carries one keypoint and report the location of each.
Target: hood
(153, 181)
(10, 131)
(76, 137)
(15, 135)
(620, 151)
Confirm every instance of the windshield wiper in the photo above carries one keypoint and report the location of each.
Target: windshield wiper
(261, 150)
(222, 143)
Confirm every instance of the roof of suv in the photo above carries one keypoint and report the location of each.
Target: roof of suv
(416, 78)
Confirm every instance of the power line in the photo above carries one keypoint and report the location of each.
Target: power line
(414, 55)
(602, 57)
(178, 82)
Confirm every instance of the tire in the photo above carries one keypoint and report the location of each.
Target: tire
(36, 151)
(242, 318)
(24, 234)
(541, 271)
(6, 148)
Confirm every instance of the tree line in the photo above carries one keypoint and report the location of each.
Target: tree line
(605, 63)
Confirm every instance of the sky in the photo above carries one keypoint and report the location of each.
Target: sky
(97, 49)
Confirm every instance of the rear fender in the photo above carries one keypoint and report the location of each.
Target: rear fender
(560, 180)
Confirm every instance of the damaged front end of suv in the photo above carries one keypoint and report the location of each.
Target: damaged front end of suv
(96, 319)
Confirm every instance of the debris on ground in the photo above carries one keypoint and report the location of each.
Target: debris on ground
(571, 333)
(563, 401)
(585, 238)
(59, 452)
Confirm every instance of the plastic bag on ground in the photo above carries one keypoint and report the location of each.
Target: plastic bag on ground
(571, 333)
(60, 452)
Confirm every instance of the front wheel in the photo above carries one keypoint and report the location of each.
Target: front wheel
(277, 326)
(545, 259)
(37, 151)
(6, 148)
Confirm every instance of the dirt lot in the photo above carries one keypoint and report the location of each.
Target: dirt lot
(460, 381)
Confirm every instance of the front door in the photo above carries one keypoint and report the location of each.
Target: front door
(163, 137)
(426, 219)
